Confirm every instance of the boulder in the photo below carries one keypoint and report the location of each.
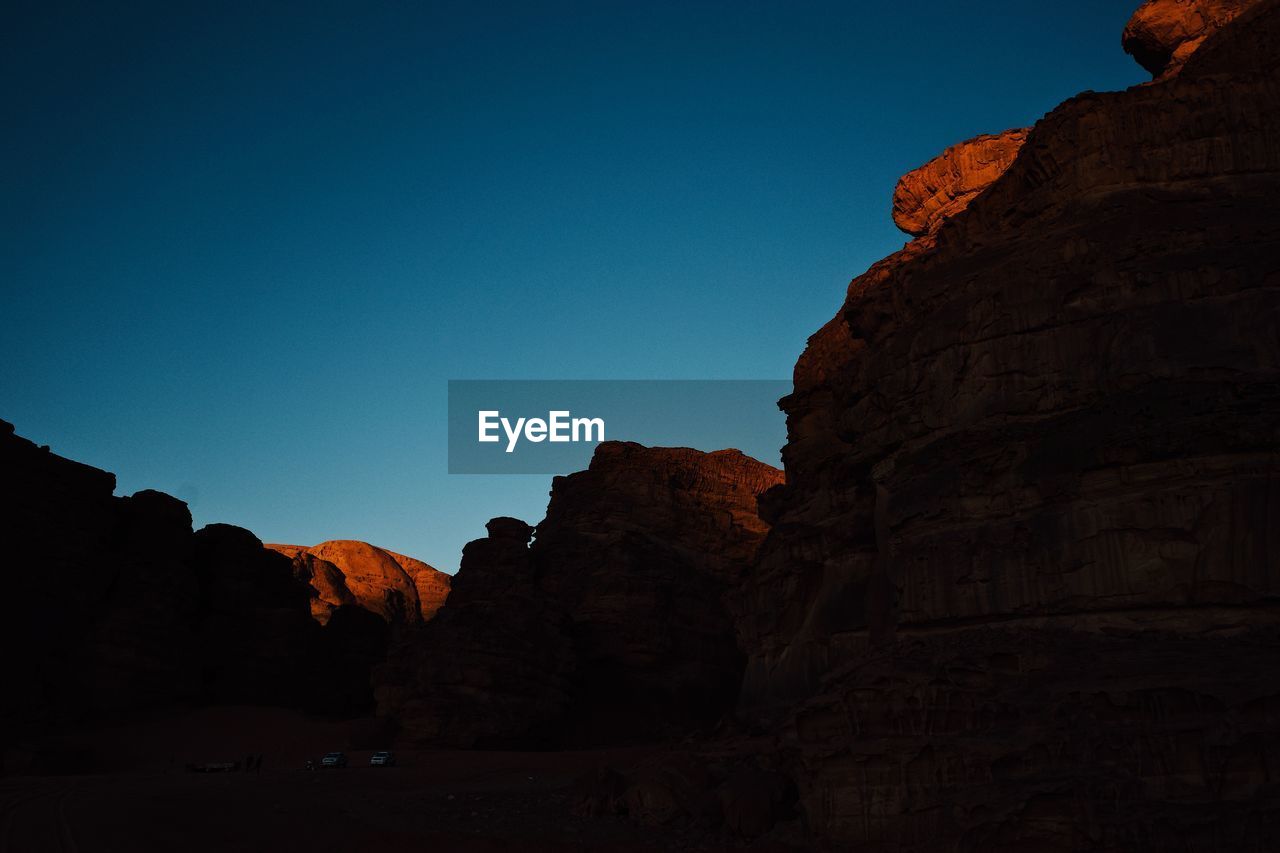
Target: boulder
(1163, 34)
(494, 665)
(928, 196)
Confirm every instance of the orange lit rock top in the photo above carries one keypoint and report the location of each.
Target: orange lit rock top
(342, 571)
(941, 188)
(1162, 34)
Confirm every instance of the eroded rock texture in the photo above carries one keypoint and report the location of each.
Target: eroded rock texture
(327, 583)
(928, 196)
(1022, 581)
(612, 626)
(119, 606)
(400, 589)
(1162, 34)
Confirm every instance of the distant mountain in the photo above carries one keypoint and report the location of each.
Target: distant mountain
(400, 589)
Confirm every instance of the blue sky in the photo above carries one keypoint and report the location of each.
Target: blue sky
(244, 246)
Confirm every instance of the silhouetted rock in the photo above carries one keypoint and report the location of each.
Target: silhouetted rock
(124, 608)
(253, 624)
(101, 616)
(353, 642)
(432, 585)
(1019, 589)
(610, 627)
(928, 196)
(1162, 34)
(493, 664)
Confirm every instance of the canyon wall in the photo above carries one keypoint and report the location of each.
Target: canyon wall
(119, 606)
(611, 627)
(1021, 587)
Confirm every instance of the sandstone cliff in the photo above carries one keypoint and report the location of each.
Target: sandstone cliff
(612, 626)
(1020, 590)
(400, 589)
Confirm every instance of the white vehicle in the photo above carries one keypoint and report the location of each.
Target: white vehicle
(333, 759)
(382, 759)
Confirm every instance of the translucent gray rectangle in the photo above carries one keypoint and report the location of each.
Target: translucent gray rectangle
(552, 426)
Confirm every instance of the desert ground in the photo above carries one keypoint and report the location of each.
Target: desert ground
(142, 797)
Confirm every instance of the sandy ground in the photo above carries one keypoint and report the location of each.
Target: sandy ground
(434, 800)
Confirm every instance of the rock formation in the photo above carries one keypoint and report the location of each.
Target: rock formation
(1020, 590)
(328, 585)
(122, 607)
(494, 664)
(253, 632)
(1162, 34)
(431, 584)
(926, 197)
(611, 626)
(400, 589)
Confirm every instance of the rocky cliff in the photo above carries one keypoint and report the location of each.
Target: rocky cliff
(120, 606)
(611, 626)
(400, 589)
(1021, 588)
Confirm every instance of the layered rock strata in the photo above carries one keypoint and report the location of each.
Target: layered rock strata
(1022, 586)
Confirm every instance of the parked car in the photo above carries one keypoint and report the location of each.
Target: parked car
(382, 759)
(214, 767)
(333, 759)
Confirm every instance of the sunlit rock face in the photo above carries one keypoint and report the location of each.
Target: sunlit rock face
(611, 627)
(431, 584)
(1019, 588)
(496, 661)
(328, 584)
(254, 635)
(926, 197)
(400, 589)
(1163, 34)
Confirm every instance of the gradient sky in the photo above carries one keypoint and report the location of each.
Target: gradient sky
(244, 246)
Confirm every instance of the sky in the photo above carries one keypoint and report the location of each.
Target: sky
(243, 247)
